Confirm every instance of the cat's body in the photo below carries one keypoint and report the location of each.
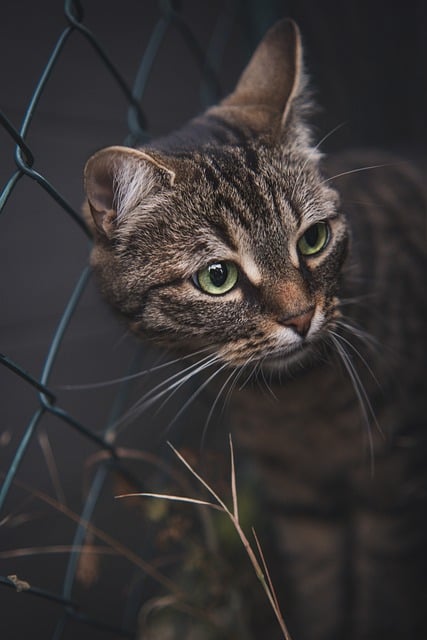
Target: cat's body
(227, 237)
(351, 505)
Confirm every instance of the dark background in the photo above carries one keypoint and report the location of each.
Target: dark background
(367, 64)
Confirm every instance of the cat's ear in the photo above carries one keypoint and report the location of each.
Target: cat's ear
(119, 178)
(272, 79)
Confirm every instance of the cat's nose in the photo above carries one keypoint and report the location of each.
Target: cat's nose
(300, 323)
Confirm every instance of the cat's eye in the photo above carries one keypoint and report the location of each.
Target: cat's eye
(217, 278)
(314, 239)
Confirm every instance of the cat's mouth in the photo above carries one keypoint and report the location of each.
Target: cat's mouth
(279, 356)
(286, 356)
(293, 358)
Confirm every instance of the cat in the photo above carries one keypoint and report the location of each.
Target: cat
(234, 239)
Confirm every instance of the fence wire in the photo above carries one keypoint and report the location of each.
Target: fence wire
(69, 606)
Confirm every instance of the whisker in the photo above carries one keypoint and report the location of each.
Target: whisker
(132, 376)
(358, 332)
(330, 133)
(157, 392)
(195, 394)
(357, 352)
(234, 372)
(336, 337)
(355, 299)
(325, 137)
(261, 379)
(251, 373)
(233, 385)
(362, 397)
(173, 390)
(346, 173)
(176, 388)
(237, 373)
(186, 374)
(264, 379)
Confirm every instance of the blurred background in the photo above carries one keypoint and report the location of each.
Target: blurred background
(367, 66)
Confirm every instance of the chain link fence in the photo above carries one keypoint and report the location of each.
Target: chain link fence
(71, 563)
(62, 459)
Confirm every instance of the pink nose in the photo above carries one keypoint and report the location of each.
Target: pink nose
(300, 324)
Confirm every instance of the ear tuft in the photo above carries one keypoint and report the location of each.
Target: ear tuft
(117, 179)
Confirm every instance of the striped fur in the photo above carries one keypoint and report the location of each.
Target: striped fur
(342, 450)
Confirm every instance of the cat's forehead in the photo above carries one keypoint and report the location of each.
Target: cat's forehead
(257, 201)
(264, 185)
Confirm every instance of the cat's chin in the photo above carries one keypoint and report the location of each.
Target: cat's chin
(289, 361)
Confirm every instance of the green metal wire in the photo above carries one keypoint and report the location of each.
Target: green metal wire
(6, 124)
(74, 13)
(158, 34)
(208, 61)
(7, 362)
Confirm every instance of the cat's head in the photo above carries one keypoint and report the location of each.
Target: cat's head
(224, 235)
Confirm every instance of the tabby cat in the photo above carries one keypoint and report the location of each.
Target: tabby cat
(234, 239)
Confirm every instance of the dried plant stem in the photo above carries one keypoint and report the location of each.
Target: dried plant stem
(260, 569)
(57, 548)
(112, 542)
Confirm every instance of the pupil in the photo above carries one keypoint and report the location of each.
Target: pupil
(218, 274)
(312, 235)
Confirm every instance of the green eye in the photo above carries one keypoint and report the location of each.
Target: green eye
(217, 278)
(314, 239)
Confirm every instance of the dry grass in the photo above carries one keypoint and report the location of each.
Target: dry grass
(256, 555)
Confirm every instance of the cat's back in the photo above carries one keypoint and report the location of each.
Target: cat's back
(385, 200)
